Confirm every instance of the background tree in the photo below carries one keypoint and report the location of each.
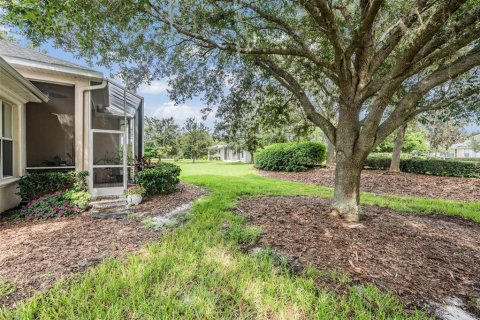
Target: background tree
(161, 137)
(443, 131)
(195, 140)
(367, 49)
(475, 142)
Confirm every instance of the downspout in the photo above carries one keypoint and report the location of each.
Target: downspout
(84, 90)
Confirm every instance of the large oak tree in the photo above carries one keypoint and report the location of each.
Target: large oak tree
(383, 57)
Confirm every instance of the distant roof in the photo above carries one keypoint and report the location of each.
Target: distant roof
(15, 54)
(218, 146)
(466, 143)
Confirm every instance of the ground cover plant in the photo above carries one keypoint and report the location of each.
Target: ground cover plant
(200, 271)
(51, 206)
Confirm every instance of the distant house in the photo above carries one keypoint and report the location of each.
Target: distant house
(225, 153)
(58, 116)
(464, 149)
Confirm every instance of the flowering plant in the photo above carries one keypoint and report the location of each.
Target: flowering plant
(49, 206)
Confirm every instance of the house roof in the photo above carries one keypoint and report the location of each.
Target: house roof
(467, 143)
(17, 55)
(18, 86)
(217, 146)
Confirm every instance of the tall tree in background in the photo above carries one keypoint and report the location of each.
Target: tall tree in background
(443, 131)
(367, 49)
(161, 136)
(195, 139)
(475, 142)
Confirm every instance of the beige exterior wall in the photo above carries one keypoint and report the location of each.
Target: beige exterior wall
(9, 186)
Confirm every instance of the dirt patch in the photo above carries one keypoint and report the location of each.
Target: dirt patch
(34, 255)
(419, 258)
(403, 184)
(162, 204)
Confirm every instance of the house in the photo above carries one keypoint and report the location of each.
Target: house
(225, 153)
(464, 149)
(58, 116)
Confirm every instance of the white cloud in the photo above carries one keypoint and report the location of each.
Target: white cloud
(181, 112)
(155, 87)
(178, 112)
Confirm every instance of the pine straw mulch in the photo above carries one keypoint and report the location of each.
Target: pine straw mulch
(403, 184)
(36, 254)
(420, 258)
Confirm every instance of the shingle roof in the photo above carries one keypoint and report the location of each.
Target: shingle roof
(10, 50)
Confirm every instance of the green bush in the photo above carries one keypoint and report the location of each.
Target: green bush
(161, 179)
(290, 156)
(436, 167)
(34, 185)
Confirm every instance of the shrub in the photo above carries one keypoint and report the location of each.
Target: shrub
(49, 206)
(35, 185)
(290, 156)
(161, 179)
(436, 167)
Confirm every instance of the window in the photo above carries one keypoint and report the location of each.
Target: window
(466, 153)
(6, 140)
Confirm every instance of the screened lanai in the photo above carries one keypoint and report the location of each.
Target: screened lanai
(115, 137)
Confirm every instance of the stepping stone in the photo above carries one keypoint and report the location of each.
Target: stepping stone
(110, 215)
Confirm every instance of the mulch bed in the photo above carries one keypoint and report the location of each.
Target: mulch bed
(419, 258)
(161, 204)
(403, 184)
(36, 254)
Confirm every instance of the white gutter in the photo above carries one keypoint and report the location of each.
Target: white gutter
(80, 71)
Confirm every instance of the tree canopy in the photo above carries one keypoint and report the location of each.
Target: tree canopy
(380, 60)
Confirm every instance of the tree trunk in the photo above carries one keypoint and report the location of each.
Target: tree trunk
(330, 153)
(397, 149)
(346, 199)
(349, 164)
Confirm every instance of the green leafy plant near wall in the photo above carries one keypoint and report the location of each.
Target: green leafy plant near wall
(34, 185)
(161, 179)
(436, 167)
(290, 156)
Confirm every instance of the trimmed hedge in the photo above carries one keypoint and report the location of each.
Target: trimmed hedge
(34, 185)
(161, 179)
(436, 167)
(290, 156)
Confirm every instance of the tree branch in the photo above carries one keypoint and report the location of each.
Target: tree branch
(407, 104)
(289, 82)
(369, 13)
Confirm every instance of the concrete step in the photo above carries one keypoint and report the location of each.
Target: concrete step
(108, 203)
(111, 214)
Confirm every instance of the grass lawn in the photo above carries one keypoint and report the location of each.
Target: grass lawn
(198, 271)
